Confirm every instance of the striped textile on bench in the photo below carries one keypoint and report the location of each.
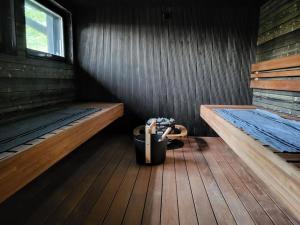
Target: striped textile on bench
(266, 127)
(19, 132)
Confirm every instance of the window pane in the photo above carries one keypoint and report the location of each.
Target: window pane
(44, 29)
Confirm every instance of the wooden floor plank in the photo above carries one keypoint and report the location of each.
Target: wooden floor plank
(28, 200)
(186, 207)
(253, 207)
(273, 211)
(219, 205)
(196, 185)
(119, 205)
(237, 208)
(151, 215)
(203, 207)
(283, 177)
(100, 209)
(94, 205)
(169, 208)
(46, 208)
(134, 212)
(93, 183)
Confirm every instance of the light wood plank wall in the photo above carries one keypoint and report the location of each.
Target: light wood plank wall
(278, 36)
(27, 83)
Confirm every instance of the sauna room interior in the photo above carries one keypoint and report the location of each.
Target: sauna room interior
(150, 112)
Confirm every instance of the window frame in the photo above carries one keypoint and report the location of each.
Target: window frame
(8, 24)
(67, 34)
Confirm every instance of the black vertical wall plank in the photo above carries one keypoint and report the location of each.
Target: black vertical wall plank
(27, 82)
(167, 65)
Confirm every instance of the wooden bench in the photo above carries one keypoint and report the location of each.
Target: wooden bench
(280, 171)
(22, 164)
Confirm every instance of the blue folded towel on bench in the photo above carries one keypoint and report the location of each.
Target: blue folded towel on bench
(266, 127)
(25, 130)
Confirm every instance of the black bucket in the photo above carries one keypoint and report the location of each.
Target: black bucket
(158, 149)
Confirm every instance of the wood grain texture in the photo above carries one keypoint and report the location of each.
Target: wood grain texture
(277, 75)
(281, 19)
(27, 82)
(284, 45)
(205, 175)
(288, 73)
(281, 85)
(279, 101)
(283, 177)
(32, 160)
(279, 37)
(281, 63)
(166, 67)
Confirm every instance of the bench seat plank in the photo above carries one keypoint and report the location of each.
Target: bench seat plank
(30, 160)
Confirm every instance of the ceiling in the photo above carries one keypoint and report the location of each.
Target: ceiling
(183, 3)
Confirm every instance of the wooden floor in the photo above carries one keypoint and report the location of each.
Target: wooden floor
(100, 183)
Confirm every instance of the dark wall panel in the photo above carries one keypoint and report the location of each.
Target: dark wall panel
(27, 82)
(279, 36)
(166, 61)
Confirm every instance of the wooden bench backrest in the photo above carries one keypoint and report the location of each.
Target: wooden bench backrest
(277, 74)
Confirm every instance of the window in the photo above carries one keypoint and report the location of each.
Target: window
(44, 30)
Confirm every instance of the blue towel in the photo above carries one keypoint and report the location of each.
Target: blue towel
(266, 127)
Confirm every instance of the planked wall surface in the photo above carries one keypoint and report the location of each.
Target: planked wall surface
(278, 36)
(166, 67)
(25, 82)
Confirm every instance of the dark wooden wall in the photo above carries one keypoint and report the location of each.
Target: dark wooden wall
(279, 36)
(26, 82)
(167, 67)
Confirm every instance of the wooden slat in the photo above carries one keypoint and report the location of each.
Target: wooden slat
(217, 201)
(169, 208)
(102, 184)
(186, 209)
(287, 73)
(91, 184)
(4, 155)
(151, 215)
(93, 206)
(134, 211)
(297, 164)
(258, 189)
(272, 169)
(283, 85)
(253, 207)
(281, 63)
(47, 208)
(142, 63)
(118, 207)
(290, 157)
(38, 191)
(237, 208)
(203, 207)
(21, 168)
(101, 207)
